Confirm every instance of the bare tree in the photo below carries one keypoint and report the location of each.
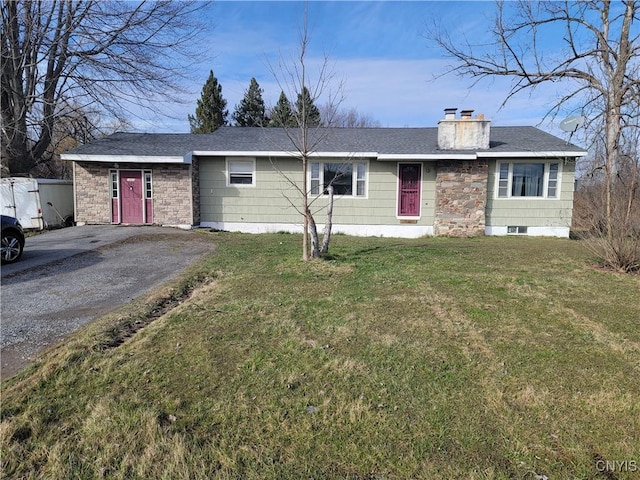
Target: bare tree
(348, 118)
(294, 79)
(620, 247)
(599, 64)
(74, 126)
(93, 54)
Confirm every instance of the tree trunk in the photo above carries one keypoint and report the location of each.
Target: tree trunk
(305, 236)
(633, 187)
(326, 237)
(611, 167)
(315, 247)
(305, 208)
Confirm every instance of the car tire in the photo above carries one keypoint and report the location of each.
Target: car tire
(12, 247)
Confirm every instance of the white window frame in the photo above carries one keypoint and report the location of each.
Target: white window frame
(230, 161)
(517, 229)
(547, 182)
(114, 177)
(355, 178)
(148, 184)
(114, 181)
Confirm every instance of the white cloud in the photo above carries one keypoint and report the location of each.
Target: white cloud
(397, 91)
(406, 93)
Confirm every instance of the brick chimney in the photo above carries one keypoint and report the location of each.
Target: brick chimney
(464, 133)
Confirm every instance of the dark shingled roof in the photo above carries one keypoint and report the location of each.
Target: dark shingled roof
(385, 141)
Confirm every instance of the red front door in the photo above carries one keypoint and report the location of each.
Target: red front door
(409, 189)
(131, 196)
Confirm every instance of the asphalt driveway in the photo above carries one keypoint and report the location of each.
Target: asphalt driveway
(71, 276)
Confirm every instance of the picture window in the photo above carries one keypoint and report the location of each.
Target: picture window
(528, 179)
(347, 179)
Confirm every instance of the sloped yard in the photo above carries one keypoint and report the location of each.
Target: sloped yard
(433, 358)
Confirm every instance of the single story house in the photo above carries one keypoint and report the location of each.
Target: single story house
(460, 178)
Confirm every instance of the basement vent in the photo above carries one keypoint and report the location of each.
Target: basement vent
(516, 230)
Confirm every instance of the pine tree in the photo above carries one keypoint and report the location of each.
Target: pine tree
(211, 111)
(282, 114)
(305, 104)
(251, 112)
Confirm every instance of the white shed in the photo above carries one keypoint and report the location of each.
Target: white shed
(38, 203)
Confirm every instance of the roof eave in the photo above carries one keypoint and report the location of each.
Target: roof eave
(81, 157)
(281, 153)
(533, 154)
(390, 157)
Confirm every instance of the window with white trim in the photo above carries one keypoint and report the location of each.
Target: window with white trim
(114, 183)
(346, 178)
(241, 172)
(147, 185)
(528, 179)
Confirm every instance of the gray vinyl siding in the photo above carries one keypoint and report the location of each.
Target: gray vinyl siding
(532, 212)
(269, 200)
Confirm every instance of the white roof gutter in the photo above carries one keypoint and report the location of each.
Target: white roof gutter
(79, 157)
(548, 154)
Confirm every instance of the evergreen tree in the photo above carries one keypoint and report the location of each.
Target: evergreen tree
(282, 114)
(251, 112)
(305, 104)
(211, 111)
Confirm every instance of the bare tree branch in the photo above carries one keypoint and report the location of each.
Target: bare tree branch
(293, 78)
(100, 55)
(600, 65)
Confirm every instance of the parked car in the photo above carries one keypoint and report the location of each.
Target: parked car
(12, 240)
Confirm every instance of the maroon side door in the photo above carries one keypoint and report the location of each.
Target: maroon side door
(131, 196)
(409, 189)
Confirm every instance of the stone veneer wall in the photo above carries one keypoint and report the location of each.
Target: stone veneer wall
(93, 193)
(173, 193)
(461, 197)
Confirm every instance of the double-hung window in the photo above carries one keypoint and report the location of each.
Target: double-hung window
(528, 179)
(346, 178)
(241, 171)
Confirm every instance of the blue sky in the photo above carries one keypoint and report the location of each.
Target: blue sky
(378, 49)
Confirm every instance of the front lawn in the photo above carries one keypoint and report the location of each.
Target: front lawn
(482, 358)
